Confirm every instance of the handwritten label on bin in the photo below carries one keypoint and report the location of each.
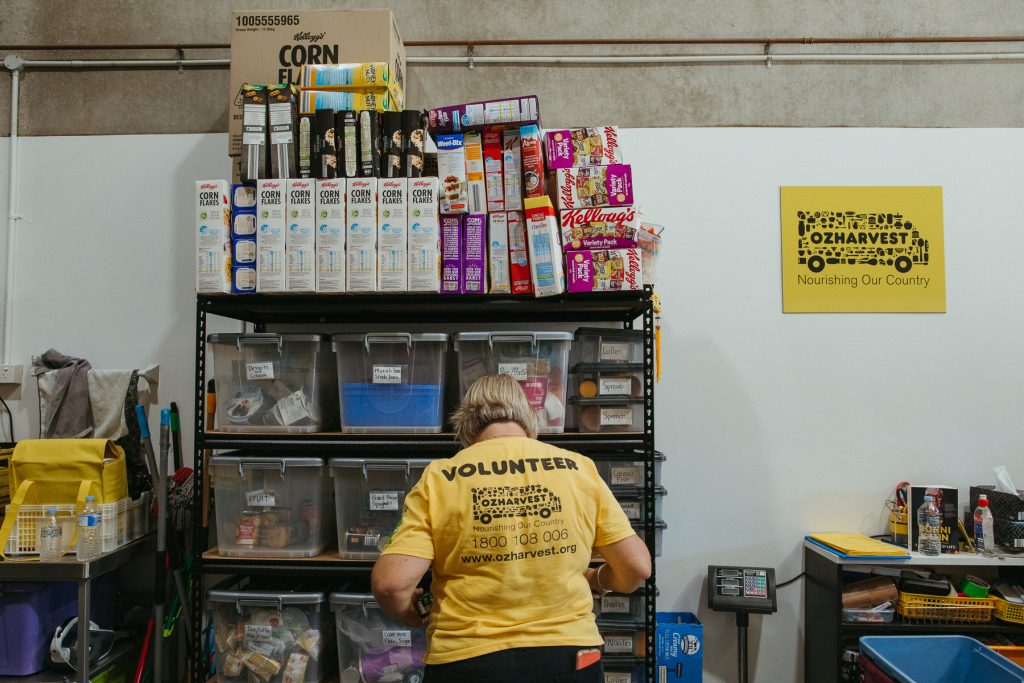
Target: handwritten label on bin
(257, 636)
(387, 374)
(255, 372)
(615, 386)
(616, 417)
(618, 644)
(624, 475)
(618, 677)
(516, 370)
(384, 500)
(395, 637)
(632, 509)
(615, 604)
(260, 499)
(615, 351)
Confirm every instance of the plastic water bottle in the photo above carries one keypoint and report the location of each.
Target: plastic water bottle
(929, 538)
(984, 541)
(50, 538)
(88, 531)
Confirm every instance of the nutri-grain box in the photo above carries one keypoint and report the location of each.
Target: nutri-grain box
(604, 270)
(330, 235)
(583, 187)
(600, 228)
(582, 147)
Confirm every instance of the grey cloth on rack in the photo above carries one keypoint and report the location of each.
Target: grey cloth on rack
(64, 411)
(107, 390)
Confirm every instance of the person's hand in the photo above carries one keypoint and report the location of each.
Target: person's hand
(411, 617)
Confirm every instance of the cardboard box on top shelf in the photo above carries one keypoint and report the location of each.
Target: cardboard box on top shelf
(272, 46)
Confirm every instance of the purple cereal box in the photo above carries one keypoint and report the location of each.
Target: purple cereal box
(513, 111)
(584, 187)
(603, 270)
(582, 147)
(474, 254)
(451, 253)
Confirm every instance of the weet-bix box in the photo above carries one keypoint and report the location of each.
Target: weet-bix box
(474, 254)
(392, 235)
(361, 269)
(271, 224)
(518, 254)
(545, 251)
(424, 236)
(300, 240)
(361, 207)
(213, 237)
(451, 171)
(330, 235)
(451, 253)
(497, 253)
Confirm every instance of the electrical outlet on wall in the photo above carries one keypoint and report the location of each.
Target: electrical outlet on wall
(11, 374)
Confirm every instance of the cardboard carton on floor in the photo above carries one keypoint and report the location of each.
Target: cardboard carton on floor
(679, 643)
(272, 46)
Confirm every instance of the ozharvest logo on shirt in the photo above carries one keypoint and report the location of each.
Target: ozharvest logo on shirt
(499, 502)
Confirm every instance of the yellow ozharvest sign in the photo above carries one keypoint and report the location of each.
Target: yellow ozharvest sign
(862, 250)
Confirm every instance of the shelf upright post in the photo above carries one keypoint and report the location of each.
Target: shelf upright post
(650, 532)
(199, 472)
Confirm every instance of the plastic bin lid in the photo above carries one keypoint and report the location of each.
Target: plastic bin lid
(606, 400)
(630, 492)
(392, 337)
(512, 336)
(354, 599)
(265, 463)
(380, 463)
(638, 524)
(606, 367)
(609, 332)
(234, 338)
(267, 597)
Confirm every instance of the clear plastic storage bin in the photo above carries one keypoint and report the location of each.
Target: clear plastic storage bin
(619, 669)
(281, 383)
(629, 472)
(538, 360)
(272, 507)
(391, 382)
(373, 647)
(609, 414)
(610, 345)
(601, 380)
(369, 496)
(631, 498)
(270, 637)
(869, 616)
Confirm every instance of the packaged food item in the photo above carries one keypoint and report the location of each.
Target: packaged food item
(307, 145)
(476, 192)
(518, 254)
(283, 119)
(451, 172)
(254, 132)
(583, 147)
(474, 254)
(353, 76)
(392, 145)
(392, 235)
(361, 205)
(270, 235)
(589, 186)
(533, 161)
(369, 144)
(243, 252)
(451, 253)
(366, 99)
(601, 228)
(604, 270)
(512, 170)
(424, 236)
(650, 244)
(213, 236)
(330, 235)
(243, 197)
(545, 251)
(346, 125)
(243, 279)
(413, 124)
(497, 253)
(493, 178)
(300, 240)
(325, 145)
(361, 269)
(479, 115)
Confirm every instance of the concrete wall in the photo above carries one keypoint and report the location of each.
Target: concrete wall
(924, 95)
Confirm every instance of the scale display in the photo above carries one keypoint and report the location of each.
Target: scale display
(741, 589)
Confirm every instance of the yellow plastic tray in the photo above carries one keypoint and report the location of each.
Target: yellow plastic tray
(1009, 611)
(932, 608)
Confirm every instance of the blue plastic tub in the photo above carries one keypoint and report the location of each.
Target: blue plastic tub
(939, 659)
(392, 407)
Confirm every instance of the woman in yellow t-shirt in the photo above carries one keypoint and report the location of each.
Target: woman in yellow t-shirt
(508, 527)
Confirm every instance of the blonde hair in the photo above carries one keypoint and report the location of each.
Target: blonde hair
(490, 399)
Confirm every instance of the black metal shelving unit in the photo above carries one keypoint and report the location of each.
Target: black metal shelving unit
(262, 310)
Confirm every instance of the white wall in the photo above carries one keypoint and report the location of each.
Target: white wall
(775, 425)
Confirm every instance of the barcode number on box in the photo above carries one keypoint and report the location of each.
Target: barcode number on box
(614, 387)
(616, 417)
(624, 475)
(383, 500)
(615, 351)
(260, 499)
(615, 604)
(516, 370)
(394, 637)
(618, 644)
(387, 374)
(259, 371)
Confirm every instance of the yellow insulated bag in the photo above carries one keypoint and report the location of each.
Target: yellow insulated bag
(64, 472)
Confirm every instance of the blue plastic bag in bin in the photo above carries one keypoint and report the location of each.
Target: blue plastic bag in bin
(679, 644)
(939, 659)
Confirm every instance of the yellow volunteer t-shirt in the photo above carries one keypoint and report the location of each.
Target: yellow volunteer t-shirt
(510, 524)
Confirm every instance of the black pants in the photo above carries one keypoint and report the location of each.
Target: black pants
(518, 665)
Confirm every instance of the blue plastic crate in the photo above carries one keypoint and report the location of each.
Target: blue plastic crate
(939, 659)
(392, 406)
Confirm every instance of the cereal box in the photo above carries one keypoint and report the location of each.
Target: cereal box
(604, 270)
(451, 253)
(474, 254)
(330, 235)
(424, 236)
(475, 189)
(270, 235)
(512, 170)
(361, 208)
(583, 187)
(518, 254)
(451, 170)
(300, 239)
(602, 228)
(497, 253)
(493, 179)
(545, 252)
(479, 115)
(213, 236)
(582, 147)
(392, 235)
(361, 269)
(533, 161)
